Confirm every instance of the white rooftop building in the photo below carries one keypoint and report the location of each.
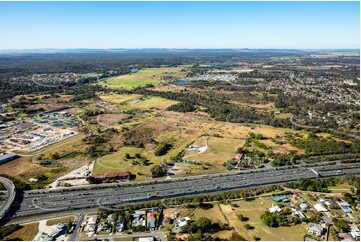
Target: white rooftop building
(320, 208)
(275, 208)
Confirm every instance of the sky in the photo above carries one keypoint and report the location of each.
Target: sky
(103, 25)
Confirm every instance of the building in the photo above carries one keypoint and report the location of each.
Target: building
(316, 229)
(146, 239)
(320, 208)
(282, 199)
(238, 157)
(91, 224)
(7, 157)
(139, 218)
(119, 226)
(275, 208)
(182, 222)
(299, 214)
(151, 220)
(345, 206)
(112, 176)
(330, 203)
(41, 236)
(303, 206)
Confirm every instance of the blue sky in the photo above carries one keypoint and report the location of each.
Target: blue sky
(306, 25)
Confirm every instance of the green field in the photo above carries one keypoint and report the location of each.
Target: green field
(253, 210)
(127, 84)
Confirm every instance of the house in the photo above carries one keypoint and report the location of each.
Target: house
(139, 218)
(239, 157)
(303, 206)
(104, 226)
(327, 220)
(330, 203)
(299, 214)
(110, 218)
(91, 224)
(316, 229)
(355, 235)
(182, 222)
(119, 226)
(345, 206)
(275, 208)
(151, 220)
(320, 208)
(345, 237)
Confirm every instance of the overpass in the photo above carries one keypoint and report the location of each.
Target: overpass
(10, 196)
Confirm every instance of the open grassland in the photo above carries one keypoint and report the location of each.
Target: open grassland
(219, 151)
(118, 98)
(141, 78)
(26, 233)
(215, 214)
(253, 211)
(59, 220)
(148, 103)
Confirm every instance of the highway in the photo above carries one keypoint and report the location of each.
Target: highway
(10, 196)
(43, 202)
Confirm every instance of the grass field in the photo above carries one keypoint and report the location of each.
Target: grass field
(219, 150)
(59, 220)
(140, 78)
(26, 233)
(253, 210)
(214, 214)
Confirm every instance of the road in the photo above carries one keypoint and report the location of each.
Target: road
(10, 196)
(35, 203)
(159, 235)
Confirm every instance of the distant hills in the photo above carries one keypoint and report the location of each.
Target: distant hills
(167, 50)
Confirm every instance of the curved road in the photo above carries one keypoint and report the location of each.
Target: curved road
(10, 196)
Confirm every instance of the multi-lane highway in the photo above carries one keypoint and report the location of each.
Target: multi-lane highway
(10, 195)
(46, 202)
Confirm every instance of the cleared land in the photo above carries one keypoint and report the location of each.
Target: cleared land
(26, 233)
(141, 78)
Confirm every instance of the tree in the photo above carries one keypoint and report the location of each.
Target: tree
(158, 171)
(68, 226)
(127, 156)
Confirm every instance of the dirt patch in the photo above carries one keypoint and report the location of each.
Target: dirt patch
(111, 119)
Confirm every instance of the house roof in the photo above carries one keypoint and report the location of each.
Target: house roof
(316, 227)
(239, 156)
(151, 215)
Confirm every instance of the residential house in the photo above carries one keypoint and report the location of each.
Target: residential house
(320, 208)
(316, 229)
(345, 206)
(119, 226)
(182, 222)
(151, 220)
(275, 208)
